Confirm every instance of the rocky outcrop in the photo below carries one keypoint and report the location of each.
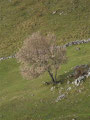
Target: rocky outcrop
(81, 73)
(81, 70)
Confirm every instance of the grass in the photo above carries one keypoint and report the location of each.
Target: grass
(22, 99)
(20, 18)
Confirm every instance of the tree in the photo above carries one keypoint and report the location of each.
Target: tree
(39, 54)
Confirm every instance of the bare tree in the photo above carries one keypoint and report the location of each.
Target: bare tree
(40, 54)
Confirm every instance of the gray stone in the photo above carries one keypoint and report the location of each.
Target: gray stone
(54, 12)
(60, 97)
(79, 80)
(61, 13)
(88, 75)
(52, 88)
(69, 88)
(68, 82)
(74, 119)
(77, 42)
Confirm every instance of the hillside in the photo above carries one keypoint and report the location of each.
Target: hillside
(22, 99)
(68, 19)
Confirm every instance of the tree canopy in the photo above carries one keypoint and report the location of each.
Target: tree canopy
(39, 54)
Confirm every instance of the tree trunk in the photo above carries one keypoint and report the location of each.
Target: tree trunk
(51, 75)
(55, 74)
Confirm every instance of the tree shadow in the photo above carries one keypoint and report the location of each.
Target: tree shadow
(63, 79)
(66, 77)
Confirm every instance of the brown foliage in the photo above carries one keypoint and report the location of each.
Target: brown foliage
(39, 54)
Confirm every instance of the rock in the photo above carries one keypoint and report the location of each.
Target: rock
(81, 73)
(79, 91)
(54, 12)
(68, 82)
(52, 88)
(73, 82)
(61, 13)
(80, 70)
(88, 75)
(32, 95)
(60, 97)
(77, 48)
(79, 80)
(65, 71)
(69, 88)
(47, 83)
(74, 119)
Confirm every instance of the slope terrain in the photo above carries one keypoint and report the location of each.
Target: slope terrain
(68, 19)
(22, 99)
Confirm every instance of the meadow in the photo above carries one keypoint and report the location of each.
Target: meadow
(69, 20)
(22, 99)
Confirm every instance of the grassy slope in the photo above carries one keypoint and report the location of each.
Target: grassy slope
(20, 18)
(31, 100)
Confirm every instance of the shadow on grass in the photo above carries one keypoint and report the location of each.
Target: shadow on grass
(63, 79)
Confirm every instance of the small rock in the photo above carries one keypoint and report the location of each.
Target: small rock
(69, 88)
(60, 13)
(32, 95)
(68, 82)
(60, 97)
(79, 91)
(78, 80)
(81, 70)
(88, 75)
(77, 48)
(54, 12)
(52, 88)
(73, 119)
(65, 71)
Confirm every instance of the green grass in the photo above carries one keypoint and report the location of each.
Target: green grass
(22, 99)
(20, 18)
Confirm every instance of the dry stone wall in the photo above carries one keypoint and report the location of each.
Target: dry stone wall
(77, 42)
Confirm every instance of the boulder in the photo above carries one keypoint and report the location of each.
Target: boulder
(81, 70)
(79, 80)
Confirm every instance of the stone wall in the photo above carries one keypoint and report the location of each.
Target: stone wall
(4, 58)
(77, 42)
